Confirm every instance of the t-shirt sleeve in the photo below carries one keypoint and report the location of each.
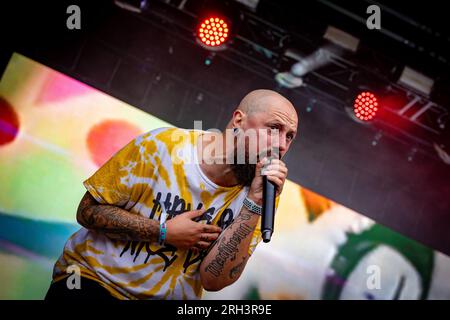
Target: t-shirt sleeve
(113, 182)
(257, 235)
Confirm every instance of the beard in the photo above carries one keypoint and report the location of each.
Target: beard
(244, 173)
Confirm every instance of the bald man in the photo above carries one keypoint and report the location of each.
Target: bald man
(159, 226)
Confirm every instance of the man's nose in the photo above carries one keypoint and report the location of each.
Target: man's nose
(282, 145)
(279, 146)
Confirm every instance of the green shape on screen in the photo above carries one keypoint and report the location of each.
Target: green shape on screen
(43, 186)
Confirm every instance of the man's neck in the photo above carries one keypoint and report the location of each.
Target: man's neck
(214, 166)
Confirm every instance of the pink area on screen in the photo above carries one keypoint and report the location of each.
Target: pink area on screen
(58, 87)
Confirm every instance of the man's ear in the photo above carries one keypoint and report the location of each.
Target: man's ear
(238, 118)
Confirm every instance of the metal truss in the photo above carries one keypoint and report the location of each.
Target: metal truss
(260, 46)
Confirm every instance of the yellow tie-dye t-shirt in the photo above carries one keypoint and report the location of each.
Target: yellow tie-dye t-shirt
(157, 169)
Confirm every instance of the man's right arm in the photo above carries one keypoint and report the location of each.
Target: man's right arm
(115, 222)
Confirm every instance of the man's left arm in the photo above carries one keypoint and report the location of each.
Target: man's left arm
(228, 255)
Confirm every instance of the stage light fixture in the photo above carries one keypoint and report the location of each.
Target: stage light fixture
(365, 106)
(294, 77)
(132, 5)
(213, 32)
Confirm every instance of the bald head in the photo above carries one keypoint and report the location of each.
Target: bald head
(261, 103)
(267, 109)
(263, 100)
(264, 123)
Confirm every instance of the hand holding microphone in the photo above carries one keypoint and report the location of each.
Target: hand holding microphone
(268, 183)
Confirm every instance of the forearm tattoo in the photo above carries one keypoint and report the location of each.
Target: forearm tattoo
(115, 222)
(228, 246)
(237, 270)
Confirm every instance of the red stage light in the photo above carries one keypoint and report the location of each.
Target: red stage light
(365, 106)
(213, 32)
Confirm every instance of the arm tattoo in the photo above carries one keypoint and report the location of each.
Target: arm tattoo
(243, 216)
(236, 270)
(227, 250)
(229, 247)
(115, 222)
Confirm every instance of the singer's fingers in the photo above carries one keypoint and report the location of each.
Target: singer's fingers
(264, 162)
(277, 161)
(274, 160)
(275, 173)
(275, 167)
(209, 236)
(194, 214)
(278, 182)
(259, 166)
(202, 245)
(275, 164)
(209, 228)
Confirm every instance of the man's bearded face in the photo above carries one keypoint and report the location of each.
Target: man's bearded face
(244, 171)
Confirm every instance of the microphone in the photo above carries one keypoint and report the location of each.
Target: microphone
(268, 209)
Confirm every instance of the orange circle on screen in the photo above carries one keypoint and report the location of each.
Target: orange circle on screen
(108, 137)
